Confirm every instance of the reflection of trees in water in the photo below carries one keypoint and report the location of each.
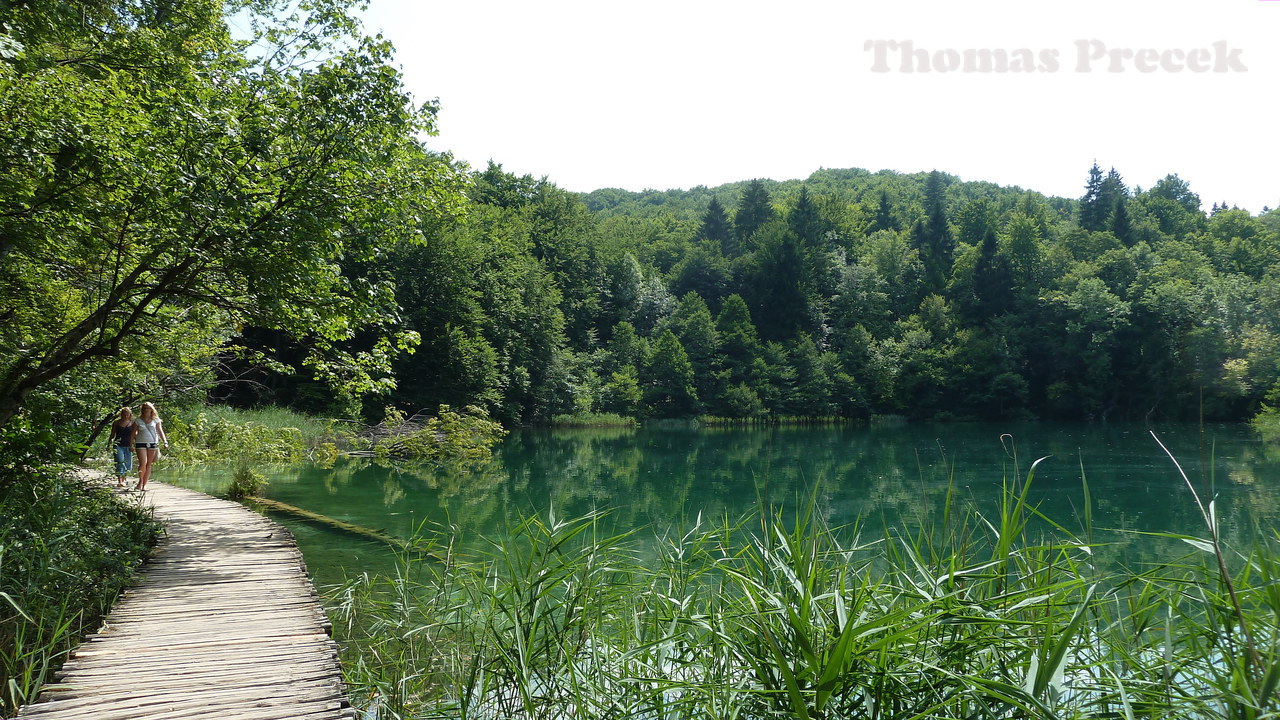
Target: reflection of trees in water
(662, 478)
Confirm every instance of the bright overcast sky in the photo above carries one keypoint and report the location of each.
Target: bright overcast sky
(678, 93)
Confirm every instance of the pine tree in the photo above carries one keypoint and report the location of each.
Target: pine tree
(1099, 198)
(717, 229)
(813, 385)
(931, 236)
(696, 330)
(1121, 225)
(805, 221)
(739, 340)
(992, 279)
(1111, 194)
(777, 283)
(754, 210)
(884, 219)
(625, 348)
(810, 229)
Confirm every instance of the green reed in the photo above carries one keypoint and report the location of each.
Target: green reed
(66, 549)
(987, 613)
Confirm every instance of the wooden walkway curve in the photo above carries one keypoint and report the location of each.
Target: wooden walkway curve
(223, 623)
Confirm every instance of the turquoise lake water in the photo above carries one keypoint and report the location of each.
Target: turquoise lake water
(660, 479)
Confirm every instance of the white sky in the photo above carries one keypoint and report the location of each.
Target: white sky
(669, 94)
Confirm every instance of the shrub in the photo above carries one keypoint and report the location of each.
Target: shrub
(245, 483)
(448, 436)
(66, 550)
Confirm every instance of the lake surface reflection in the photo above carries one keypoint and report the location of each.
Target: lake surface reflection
(660, 479)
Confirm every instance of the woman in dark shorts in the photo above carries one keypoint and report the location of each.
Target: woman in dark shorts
(148, 440)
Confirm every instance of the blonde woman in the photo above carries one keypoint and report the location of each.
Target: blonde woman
(121, 442)
(148, 440)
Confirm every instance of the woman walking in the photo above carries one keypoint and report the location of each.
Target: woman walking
(121, 441)
(148, 440)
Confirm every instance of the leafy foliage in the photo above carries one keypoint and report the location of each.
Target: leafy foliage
(177, 208)
(246, 483)
(874, 293)
(66, 550)
(163, 181)
(448, 436)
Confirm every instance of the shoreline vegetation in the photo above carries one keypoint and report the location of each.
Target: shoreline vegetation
(182, 223)
(68, 546)
(40, 627)
(994, 614)
(212, 434)
(1267, 424)
(37, 628)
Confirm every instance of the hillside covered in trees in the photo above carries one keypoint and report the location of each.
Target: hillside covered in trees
(848, 294)
(188, 213)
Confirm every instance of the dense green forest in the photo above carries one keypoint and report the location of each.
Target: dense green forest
(189, 214)
(847, 294)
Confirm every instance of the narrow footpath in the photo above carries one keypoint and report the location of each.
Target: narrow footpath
(223, 623)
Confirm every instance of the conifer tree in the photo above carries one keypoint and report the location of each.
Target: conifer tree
(1112, 191)
(739, 341)
(810, 229)
(777, 283)
(931, 236)
(717, 229)
(754, 210)
(805, 221)
(625, 348)
(1093, 214)
(883, 219)
(696, 330)
(813, 384)
(992, 278)
(1121, 225)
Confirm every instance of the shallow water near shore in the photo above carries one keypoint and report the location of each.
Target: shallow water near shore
(658, 480)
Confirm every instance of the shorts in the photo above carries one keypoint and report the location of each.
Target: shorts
(124, 460)
(146, 446)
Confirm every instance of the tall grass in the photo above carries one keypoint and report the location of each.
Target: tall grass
(264, 435)
(995, 614)
(66, 549)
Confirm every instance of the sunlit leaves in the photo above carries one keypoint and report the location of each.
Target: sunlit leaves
(154, 167)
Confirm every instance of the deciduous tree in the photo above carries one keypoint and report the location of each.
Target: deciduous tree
(156, 171)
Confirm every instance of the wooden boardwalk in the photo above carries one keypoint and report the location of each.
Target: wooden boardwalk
(223, 623)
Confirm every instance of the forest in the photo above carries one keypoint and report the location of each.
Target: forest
(186, 219)
(844, 295)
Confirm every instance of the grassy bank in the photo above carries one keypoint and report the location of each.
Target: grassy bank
(66, 550)
(978, 616)
(215, 434)
(212, 433)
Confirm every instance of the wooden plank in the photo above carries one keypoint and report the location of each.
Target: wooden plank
(222, 622)
(195, 668)
(237, 661)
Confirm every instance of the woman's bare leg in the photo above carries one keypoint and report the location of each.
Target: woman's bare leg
(146, 456)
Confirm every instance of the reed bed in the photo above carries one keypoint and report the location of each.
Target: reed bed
(999, 613)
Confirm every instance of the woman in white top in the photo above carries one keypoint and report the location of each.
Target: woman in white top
(148, 437)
